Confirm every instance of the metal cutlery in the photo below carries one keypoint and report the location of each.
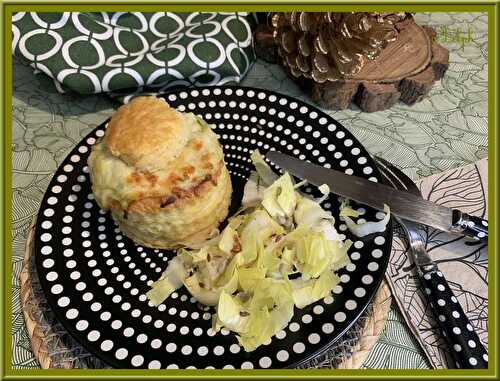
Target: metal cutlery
(465, 346)
(406, 205)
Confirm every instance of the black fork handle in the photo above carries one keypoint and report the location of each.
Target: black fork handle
(464, 343)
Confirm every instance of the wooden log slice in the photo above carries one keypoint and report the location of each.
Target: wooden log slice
(405, 70)
(408, 55)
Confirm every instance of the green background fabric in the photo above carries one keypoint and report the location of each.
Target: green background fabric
(446, 130)
(107, 52)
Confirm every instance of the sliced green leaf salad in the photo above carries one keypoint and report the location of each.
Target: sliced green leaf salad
(280, 251)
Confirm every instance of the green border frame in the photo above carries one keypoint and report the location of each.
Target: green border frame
(7, 8)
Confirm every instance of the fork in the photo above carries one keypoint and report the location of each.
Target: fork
(465, 346)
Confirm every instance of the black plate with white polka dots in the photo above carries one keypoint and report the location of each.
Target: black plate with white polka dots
(95, 278)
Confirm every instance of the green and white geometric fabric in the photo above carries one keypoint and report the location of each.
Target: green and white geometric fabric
(134, 51)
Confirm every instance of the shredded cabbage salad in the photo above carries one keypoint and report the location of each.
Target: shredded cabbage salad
(279, 251)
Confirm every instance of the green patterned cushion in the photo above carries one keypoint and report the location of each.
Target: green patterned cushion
(110, 52)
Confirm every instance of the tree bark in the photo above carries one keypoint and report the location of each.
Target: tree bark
(440, 60)
(413, 89)
(373, 97)
(334, 95)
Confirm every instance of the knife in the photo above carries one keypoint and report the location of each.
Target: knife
(403, 204)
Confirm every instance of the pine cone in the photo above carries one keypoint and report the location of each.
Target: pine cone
(330, 46)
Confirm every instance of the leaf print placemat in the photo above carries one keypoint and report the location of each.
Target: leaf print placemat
(446, 130)
(464, 262)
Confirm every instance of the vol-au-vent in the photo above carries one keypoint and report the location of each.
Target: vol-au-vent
(161, 173)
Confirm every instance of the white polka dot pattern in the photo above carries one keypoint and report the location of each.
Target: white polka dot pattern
(99, 282)
(470, 226)
(468, 351)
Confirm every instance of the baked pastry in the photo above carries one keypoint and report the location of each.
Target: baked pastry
(162, 174)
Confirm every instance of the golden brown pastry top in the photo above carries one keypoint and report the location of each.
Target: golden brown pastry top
(152, 155)
(146, 133)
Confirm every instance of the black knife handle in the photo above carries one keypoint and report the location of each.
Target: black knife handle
(470, 226)
(465, 345)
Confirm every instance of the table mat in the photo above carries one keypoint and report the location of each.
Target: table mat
(464, 262)
(445, 131)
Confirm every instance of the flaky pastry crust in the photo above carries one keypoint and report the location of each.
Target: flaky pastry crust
(162, 175)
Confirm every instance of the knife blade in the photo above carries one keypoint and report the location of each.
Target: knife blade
(374, 194)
